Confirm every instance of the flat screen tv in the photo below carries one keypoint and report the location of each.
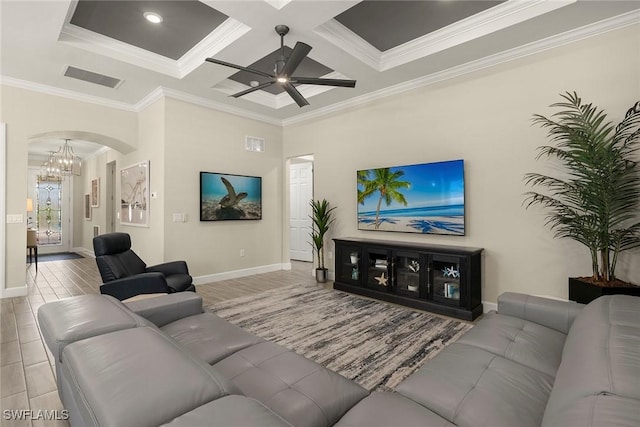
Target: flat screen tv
(228, 197)
(425, 198)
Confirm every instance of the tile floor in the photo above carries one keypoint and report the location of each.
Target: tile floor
(27, 368)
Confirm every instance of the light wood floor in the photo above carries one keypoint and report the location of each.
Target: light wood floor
(27, 367)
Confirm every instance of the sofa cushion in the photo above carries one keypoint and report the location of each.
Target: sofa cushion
(210, 337)
(73, 319)
(164, 309)
(390, 409)
(300, 391)
(136, 377)
(599, 410)
(601, 357)
(469, 386)
(230, 411)
(518, 340)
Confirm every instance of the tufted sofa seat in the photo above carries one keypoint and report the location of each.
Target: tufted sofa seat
(168, 361)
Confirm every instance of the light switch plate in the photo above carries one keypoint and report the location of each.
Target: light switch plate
(15, 219)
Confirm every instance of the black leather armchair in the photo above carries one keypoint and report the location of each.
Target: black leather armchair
(125, 275)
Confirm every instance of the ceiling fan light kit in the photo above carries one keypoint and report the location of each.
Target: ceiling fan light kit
(283, 71)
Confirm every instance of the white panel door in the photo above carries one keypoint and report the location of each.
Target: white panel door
(301, 190)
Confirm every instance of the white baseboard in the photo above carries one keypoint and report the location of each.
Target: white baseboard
(286, 266)
(18, 291)
(201, 280)
(488, 306)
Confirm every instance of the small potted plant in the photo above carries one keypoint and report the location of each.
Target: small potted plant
(322, 217)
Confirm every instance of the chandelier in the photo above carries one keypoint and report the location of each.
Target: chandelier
(59, 164)
(50, 171)
(67, 162)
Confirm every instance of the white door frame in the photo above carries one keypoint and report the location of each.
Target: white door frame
(309, 160)
(3, 205)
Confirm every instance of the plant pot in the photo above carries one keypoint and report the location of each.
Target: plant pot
(585, 292)
(322, 275)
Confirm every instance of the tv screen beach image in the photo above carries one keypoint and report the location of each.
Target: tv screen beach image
(425, 198)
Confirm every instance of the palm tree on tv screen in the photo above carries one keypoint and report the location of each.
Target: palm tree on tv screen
(384, 181)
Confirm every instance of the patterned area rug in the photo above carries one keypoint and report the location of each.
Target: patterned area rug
(373, 343)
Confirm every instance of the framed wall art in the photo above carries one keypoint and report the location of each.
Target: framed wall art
(230, 197)
(134, 195)
(87, 206)
(95, 192)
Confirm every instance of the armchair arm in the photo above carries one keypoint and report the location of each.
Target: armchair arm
(167, 308)
(554, 314)
(169, 268)
(144, 283)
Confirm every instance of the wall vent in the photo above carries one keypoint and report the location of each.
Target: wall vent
(253, 143)
(91, 77)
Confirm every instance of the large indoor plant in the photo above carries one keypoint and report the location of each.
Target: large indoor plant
(322, 217)
(597, 201)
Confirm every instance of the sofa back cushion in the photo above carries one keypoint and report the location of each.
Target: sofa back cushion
(600, 368)
(134, 377)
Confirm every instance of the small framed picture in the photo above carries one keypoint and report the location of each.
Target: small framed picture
(95, 192)
(87, 206)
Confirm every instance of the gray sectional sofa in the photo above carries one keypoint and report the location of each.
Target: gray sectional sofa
(166, 361)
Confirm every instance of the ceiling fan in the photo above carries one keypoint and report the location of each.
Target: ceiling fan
(284, 69)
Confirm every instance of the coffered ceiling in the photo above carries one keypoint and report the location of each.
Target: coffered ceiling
(120, 59)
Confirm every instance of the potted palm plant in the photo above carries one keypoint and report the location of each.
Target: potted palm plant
(322, 217)
(596, 202)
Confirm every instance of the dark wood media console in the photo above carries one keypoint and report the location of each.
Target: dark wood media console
(436, 278)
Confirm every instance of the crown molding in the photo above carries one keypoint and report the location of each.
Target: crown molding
(572, 36)
(342, 37)
(475, 26)
(207, 103)
(65, 93)
(278, 4)
(225, 34)
(489, 21)
(103, 45)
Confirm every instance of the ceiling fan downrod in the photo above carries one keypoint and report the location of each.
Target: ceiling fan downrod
(282, 31)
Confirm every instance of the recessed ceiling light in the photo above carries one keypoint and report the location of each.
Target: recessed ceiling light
(153, 17)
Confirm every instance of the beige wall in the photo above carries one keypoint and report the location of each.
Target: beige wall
(485, 119)
(29, 113)
(199, 139)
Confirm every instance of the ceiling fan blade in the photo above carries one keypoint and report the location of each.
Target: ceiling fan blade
(252, 89)
(293, 93)
(325, 82)
(238, 67)
(300, 51)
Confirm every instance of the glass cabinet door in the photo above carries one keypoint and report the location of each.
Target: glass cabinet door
(407, 269)
(378, 276)
(348, 265)
(446, 279)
